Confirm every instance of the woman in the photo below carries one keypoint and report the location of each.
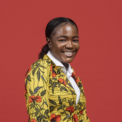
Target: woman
(53, 92)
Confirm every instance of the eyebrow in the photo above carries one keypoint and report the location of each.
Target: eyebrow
(66, 37)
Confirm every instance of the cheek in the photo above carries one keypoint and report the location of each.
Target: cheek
(56, 49)
(77, 47)
(59, 47)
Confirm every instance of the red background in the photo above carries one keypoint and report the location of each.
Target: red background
(98, 62)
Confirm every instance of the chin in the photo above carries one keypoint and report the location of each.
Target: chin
(67, 61)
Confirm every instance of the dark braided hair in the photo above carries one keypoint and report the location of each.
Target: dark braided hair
(49, 29)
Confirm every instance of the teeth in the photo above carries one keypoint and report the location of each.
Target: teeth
(68, 53)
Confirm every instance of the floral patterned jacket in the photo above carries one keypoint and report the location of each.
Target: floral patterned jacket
(50, 96)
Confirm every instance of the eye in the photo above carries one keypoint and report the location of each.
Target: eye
(75, 40)
(62, 40)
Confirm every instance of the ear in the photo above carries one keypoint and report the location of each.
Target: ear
(49, 42)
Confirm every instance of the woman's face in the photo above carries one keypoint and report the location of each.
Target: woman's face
(64, 42)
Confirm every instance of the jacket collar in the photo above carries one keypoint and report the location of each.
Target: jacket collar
(58, 63)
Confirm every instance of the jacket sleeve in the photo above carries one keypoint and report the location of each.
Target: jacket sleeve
(36, 94)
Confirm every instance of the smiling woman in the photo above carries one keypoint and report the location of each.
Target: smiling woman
(53, 92)
(64, 44)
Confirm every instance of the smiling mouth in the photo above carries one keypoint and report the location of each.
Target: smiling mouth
(68, 54)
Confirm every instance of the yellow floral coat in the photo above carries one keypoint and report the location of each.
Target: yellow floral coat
(50, 96)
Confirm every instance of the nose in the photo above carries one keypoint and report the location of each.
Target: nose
(69, 44)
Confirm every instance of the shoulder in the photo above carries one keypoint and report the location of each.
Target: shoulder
(41, 66)
(45, 61)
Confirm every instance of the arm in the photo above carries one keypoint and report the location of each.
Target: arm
(36, 94)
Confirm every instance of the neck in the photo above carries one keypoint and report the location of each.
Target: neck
(65, 65)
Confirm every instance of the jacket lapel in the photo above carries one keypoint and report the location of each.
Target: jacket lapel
(82, 98)
(62, 78)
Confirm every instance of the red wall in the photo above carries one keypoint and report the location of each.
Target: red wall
(98, 62)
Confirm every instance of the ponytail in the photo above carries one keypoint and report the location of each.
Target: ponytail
(44, 51)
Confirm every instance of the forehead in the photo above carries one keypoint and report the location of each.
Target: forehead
(67, 29)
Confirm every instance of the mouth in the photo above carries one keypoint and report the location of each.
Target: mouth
(68, 53)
